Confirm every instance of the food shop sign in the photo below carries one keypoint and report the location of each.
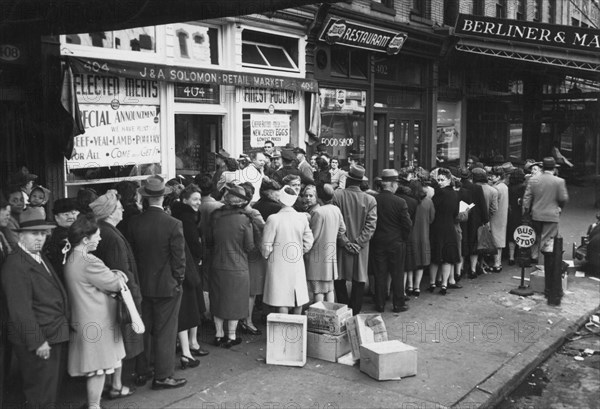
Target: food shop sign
(351, 34)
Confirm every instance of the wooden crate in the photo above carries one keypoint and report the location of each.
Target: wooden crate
(327, 347)
(362, 331)
(388, 360)
(328, 317)
(286, 339)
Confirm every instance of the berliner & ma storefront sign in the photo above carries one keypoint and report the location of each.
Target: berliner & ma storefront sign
(564, 37)
(352, 34)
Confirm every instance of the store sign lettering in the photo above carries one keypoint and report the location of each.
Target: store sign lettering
(338, 31)
(106, 89)
(275, 128)
(529, 32)
(270, 96)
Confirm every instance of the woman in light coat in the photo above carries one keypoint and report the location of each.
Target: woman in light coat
(286, 238)
(499, 220)
(96, 347)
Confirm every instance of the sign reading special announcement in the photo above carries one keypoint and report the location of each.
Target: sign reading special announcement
(275, 128)
(129, 135)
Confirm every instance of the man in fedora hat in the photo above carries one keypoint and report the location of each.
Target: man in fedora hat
(544, 198)
(288, 157)
(303, 166)
(38, 311)
(359, 210)
(158, 245)
(389, 242)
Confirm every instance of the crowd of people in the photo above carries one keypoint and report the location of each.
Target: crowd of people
(273, 228)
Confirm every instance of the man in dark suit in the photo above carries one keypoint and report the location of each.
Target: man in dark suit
(159, 247)
(287, 158)
(38, 313)
(389, 242)
(544, 197)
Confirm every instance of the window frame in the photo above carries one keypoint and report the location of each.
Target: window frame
(269, 66)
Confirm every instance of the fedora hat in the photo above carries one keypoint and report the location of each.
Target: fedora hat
(508, 167)
(550, 162)
(222, 153)
(154, 186)
(276, 154)
(356, 172)
(389, 175)
(299, 150)
(32, 219)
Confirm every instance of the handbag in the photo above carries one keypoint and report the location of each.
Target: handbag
(127, 313)
(485, 240)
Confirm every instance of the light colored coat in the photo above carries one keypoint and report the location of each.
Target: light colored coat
(96, 342)
(359, 210)
(545, 195)
(499, 219)
(490, 195)
(286, 238)
(327, 224)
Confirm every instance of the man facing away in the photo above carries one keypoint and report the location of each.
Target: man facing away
(159, 247)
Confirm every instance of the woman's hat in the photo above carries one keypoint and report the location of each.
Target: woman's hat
(154, 187)
(356, 172)
(105, 205)
(286, 198)
(32, 219)
(235, 195)
(64, 205)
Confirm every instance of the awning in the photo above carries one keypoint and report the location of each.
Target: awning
(191, 75)
(53, 17)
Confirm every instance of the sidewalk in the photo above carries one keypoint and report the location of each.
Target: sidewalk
(474, 345)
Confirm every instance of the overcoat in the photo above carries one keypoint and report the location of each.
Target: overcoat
(419, 235)
(445, 244)
(546, 195)
(286, 238)
(478, 216)
(115, 252)
(96, 341)
(359, 210)
(326, 224)
(499, 220)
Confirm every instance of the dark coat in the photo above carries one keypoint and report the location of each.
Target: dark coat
(478, 216)
(267, 207)
(393, 221)
(38, 307)
(114, 250)
(53, 249)
(444, 240)
(159, 248)
(515, 201)
(289, 170)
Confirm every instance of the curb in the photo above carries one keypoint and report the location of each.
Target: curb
(496, 387)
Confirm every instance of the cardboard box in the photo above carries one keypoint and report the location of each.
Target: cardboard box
(286, 339)
(328, 317)
(537, 281)
(365, 329)
(327, 347)
(388, 360)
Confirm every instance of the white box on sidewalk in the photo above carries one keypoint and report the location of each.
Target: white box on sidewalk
(328, 317)
(327, 347)
(365, 329)
(388, 360)
(286, 339)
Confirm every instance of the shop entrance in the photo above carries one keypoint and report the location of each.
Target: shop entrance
(396, 141)
(196, 136)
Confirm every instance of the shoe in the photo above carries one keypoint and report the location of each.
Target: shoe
(219, 341)
(400, 308)
(511, 262)
(245, 328)
(416, 292)
(457, 277)
(454, 286)
(431, 288)
(231, 342)
(496, 269)
(443, 291)
(472, 276)
(188, 362)
(142, 379)
(168, 383)
(406, 298)
(438, 283)
(409, 291)
(119, 393)
(198, 351)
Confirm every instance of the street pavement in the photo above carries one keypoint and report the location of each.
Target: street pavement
(475, 345)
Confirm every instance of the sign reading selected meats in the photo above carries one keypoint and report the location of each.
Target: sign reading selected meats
(126, 136)
(352, 34)
(275, 128)
(106, 89)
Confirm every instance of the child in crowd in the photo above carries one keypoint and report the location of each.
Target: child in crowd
(38, 198)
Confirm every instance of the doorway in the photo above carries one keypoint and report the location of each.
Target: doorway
(196, 137)
(397, 139)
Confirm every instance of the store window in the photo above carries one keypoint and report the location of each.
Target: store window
(501, 8)
(448, 133)
(478, 7)
(196, 136)
(280, 127)
(401, 70)
(141, 39)
(349, 63)
(521, 9)
(267, 51)
(343, 126)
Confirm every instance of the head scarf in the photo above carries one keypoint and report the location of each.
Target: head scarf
(105, 205)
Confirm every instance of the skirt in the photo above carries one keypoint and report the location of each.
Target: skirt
(190, 308)
(229, 292)
(319, 287)
(257, 266)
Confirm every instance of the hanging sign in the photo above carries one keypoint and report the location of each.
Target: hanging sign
(129, 135)
(353, 34)
(524, 236)
(275, 128)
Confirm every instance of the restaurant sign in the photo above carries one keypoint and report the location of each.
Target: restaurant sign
(576, 38)
(351, 34)
(189, 75)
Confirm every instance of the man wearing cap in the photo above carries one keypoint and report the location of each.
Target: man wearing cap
(389, 242)
(38, 313)
(274, 165)
(65, 213)
(545, 195)
(359, 210)
(159, 248)
(303, 166)
(220, 157)
(288, 158)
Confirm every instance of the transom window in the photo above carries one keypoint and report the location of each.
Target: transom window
(260, 50)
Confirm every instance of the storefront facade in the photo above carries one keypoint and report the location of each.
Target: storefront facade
(162, 99)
